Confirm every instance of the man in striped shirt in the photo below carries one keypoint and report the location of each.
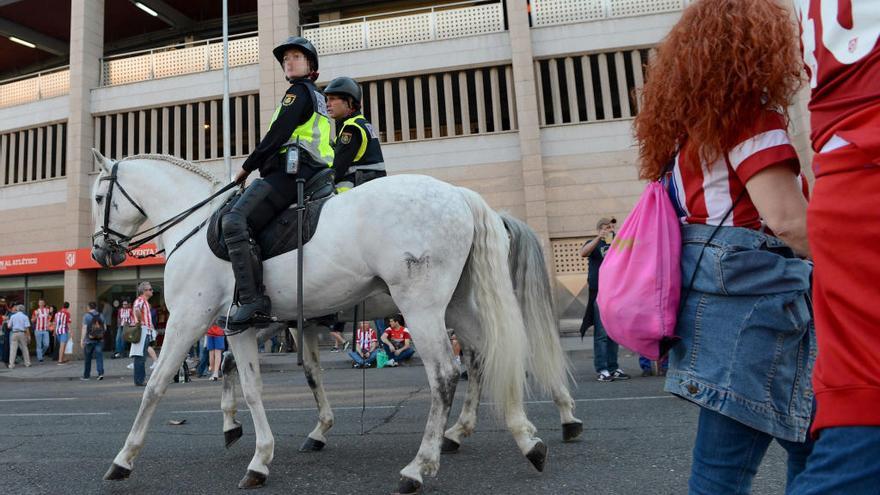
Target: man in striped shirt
(123, 317)
(62, 330)
(40, 321)
(365, 349)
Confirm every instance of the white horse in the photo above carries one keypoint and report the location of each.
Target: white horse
(438, 243)
(548, 363)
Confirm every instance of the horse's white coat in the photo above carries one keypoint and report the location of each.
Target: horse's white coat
(415, 237)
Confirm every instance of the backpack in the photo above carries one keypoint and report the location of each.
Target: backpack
(96, 327)
(640, 277)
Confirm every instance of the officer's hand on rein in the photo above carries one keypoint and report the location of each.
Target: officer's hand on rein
(241, 176)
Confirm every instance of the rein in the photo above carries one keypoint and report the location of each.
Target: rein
(148, 234)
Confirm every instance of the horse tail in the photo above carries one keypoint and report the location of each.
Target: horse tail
(503, 346)
(531, 282)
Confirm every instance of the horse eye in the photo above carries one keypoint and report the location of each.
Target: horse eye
(98, 199)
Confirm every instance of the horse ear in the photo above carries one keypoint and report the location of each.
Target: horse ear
(103, 162)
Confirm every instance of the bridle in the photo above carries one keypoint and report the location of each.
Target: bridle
(120, 243)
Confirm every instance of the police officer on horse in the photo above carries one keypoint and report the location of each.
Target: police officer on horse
(358, 156)
(301, 125)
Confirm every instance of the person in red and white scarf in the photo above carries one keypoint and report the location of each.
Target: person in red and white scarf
(365, 347)
(62, 331)
(124, 316)
(40, 319)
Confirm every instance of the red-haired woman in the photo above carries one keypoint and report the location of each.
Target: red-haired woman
(712, 124)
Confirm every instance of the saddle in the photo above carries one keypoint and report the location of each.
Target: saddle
(279, 236)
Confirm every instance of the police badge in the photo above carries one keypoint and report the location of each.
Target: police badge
(345, 138)
(288, 100)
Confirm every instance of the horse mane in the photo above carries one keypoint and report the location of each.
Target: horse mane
(179, 162)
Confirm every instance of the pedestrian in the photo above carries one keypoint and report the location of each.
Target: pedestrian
(19, 325)
(123, 318)
(62, 331)
(842, 50)
(216, 344)
(5, 312)
(40, 319)
(92, 341)
(605, 350)
(712, 125)
(142, 317)
(339, 342)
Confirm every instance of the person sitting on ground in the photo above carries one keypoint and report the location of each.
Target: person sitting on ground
(366, 346)
(397, 342)
(456, 355)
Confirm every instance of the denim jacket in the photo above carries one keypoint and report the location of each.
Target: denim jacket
(747, 337)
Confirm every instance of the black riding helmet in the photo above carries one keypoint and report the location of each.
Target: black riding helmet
(297, 43)
(344, 86)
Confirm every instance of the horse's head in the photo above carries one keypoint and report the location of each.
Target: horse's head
(116, 214)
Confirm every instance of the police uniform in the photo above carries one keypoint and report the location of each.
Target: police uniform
(301, 115)
(358, 155)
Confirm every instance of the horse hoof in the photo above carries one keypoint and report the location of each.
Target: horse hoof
(252, 479)
(408, 486)
(538, 456)
(571, 431)
(311, 445)
(117, 473)
(449, 446)
(232, 436)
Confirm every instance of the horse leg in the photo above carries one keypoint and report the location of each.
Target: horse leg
(232, 430)
(429, 330)
(572, 427)
(244, 347)
(467, 419)
(186, 331)
(312, 368)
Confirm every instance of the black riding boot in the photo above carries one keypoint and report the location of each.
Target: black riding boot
(253, 208)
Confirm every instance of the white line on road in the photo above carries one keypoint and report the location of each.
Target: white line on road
(12, 415)
(29, 400)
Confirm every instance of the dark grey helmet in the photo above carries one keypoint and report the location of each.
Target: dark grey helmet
(298, 43)
(344, 86)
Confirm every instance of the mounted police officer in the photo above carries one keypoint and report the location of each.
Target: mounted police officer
(297, 145)
(358, 154)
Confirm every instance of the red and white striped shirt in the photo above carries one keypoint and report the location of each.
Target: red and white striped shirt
(124, 317)
(62, 322)
(365, 338)
(41, 319)
(704, 193)
(142, 306)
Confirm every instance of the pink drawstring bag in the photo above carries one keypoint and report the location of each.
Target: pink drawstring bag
(640, 277)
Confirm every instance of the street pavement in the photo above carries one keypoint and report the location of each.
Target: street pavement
(60, 434)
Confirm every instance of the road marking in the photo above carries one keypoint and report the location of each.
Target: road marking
(29, 400)
(291, 409)
(13, 415)
(648, 397)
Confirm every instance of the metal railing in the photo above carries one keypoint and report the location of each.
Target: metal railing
(453, 20)
(553, 12)
(33, 87)
(176, 60)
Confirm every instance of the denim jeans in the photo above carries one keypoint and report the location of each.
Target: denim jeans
(403, 355)
(204, 359)
(727, 454)
(95, 347)
(42, 343)
(140, 372)
(360, 360)
(120, 343)
(604, 349)
(844, 460)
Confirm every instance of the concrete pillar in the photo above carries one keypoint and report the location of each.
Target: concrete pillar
(86, 49)
(525, 90)
(276, 20)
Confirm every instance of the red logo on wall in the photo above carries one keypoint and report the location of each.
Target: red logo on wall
(56, 261)
(70, 258)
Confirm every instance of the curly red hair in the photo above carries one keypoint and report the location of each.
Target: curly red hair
(720, 66)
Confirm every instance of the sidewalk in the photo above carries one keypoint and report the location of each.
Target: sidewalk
(116, 368)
